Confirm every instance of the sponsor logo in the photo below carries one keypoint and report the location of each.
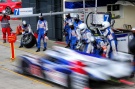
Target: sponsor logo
(56, 77)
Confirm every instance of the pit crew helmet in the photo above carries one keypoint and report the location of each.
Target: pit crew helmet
(105, 24)
(24, 22)
(82, 27)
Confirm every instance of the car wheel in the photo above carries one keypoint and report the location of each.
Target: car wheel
(8, 10)
(28, 40)
(75, 83)
(25, 67)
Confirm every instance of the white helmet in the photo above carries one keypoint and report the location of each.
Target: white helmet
(71, 23)
(82, 27)
(105, 24)
(24, 22)
(3, 12)
(76, 16)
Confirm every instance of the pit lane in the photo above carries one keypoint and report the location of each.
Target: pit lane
(12, 80)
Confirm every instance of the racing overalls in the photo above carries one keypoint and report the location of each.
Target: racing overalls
(111, 40)
(77, 23)
(26, 30)
(86, 39)
(73, 38)
(67, 29)
(42, 28)
(5, 26)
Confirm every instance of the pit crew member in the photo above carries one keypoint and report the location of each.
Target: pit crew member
(42, 28)
(87, 38)
(109, 34)
(68, 19)
(5, 25)
(26, 30)
(72, 36)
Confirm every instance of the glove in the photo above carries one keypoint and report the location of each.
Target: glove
(83, 41)
(23, 33)
(11, 29)
(45, 32)
(65, 33)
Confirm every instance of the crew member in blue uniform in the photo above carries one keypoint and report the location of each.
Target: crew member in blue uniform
(68, 19)
(77, 21)
(42, 28)
(72, 36)
(87, 38)
(109, 34)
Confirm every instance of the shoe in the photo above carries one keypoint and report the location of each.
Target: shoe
(20, 46)
(38, 50)
(67, 46)
(4, 41)
(44, 49)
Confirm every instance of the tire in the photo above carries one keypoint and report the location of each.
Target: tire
(8, 10)
(71, 84)
(25, 67)
(131, 46)
(28, 40)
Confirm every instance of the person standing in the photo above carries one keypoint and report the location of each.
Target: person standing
(72, 36)
(68, 19)
(109, 34)
(5, 25)
(42, 28)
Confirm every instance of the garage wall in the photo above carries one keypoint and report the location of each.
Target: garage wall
(45, 6)
(127, 14)
(129, 17)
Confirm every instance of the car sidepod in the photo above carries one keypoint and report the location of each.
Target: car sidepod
(56, 73)
(31, 66)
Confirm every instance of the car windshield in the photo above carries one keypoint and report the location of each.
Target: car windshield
(16, 0)
(2, 0)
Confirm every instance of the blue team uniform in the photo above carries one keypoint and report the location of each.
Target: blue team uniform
(67, 29)
(76, 24)
(41, 32)
(73, 39)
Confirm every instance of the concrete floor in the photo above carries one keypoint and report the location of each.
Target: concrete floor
(11, 80)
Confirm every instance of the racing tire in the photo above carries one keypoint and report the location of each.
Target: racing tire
(25, 67)
(8, 10)
(131, 46)
(70, 83)
(28, 40)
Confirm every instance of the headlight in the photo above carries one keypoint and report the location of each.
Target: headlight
(131, 36)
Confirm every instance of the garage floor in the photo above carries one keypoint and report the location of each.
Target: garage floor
(12, 80)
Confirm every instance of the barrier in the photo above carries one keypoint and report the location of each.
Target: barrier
(45, 14)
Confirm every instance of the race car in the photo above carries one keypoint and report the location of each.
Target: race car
(74, 69)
